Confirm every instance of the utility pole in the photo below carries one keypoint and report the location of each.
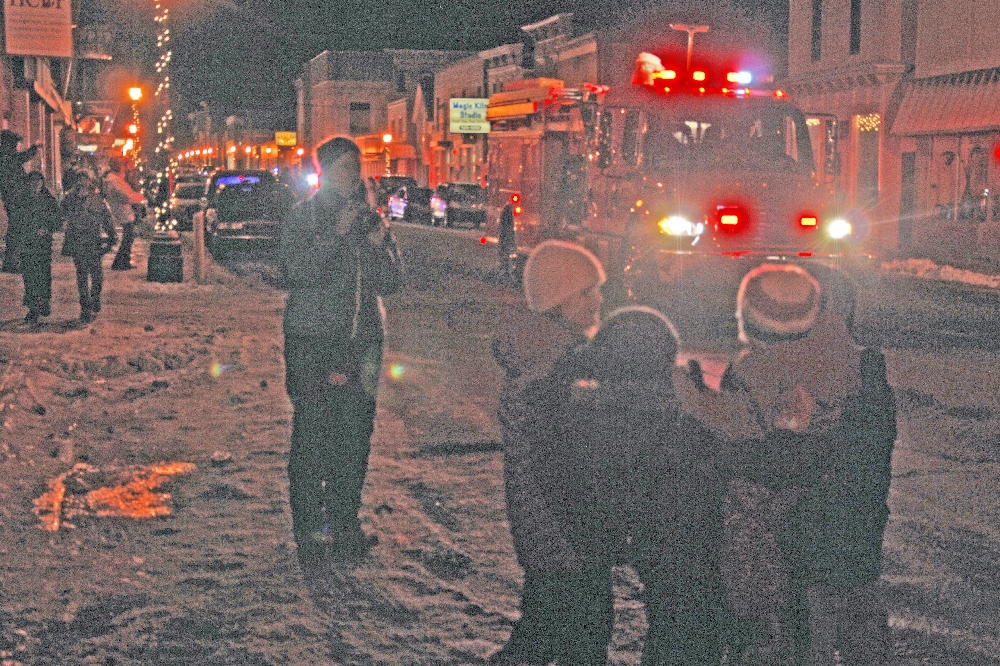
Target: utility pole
(690, 30)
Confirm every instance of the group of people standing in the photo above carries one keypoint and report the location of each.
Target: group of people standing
(90, 211)
(753, 514)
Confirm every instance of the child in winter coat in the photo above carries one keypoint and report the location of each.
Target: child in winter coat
(565, 604)
(652, 478)
(806, 504)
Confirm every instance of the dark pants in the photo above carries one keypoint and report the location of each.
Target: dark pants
(123, 260)
(564, 616)
(332, 425)
(36, 270)
(89, 282)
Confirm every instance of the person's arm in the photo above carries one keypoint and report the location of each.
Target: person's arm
(108, 225)
(382, 254)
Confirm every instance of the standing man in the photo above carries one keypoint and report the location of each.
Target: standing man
(12, 186)
(34, 223)
(338, 258)
(90, 234)
(121, 197)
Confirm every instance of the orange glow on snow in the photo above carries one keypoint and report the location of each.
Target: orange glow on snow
(132, 497)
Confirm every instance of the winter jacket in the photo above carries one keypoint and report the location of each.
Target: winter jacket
(652, 474)
(533, 350)
(90, 231)
(835, 532)
(335, 284)
(36, 218)
(120, 197)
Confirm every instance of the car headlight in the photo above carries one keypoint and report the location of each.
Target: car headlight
(839, 228)
(677, 225)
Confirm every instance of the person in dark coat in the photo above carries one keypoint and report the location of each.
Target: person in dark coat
(12, 186)
(565, 604)
(90, 234)
(35, 220)
(651, 483)
(338, 259)
(823, 417)
(507, 244)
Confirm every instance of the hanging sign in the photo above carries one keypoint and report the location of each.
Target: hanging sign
(468, 115)
(39, 28)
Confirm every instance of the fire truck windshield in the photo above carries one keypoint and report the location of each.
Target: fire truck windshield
(755, 137)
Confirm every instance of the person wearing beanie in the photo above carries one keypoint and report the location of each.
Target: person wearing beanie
(534, 344)
(649, 488)
(338, 258)
(813, 457)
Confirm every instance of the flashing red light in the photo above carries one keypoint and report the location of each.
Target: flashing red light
(515, 198)
(808, 221)
(698, 75)
(780, 93)
(730, 219)
(482, 241)
(805, 254)
(665, 74)
(517, 211)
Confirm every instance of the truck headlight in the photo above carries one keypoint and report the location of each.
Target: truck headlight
(839, 228)
(677, 225)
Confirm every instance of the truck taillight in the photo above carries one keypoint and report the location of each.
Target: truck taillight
(808, 221)
(729, 219)
(698, 75)
(515, 200)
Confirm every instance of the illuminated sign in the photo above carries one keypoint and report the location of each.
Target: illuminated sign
(468, 115)
(285, 138)
(39, 28)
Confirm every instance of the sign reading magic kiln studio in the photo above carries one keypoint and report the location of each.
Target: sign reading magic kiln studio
(468, 116)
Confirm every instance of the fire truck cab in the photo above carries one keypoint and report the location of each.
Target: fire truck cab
(680, 169)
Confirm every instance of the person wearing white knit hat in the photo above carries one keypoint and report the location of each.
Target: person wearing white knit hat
(566, 277)
(562, 284)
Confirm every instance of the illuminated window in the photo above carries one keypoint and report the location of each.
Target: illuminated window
(868, 128)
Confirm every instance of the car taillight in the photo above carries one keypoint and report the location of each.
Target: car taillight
(808, 221)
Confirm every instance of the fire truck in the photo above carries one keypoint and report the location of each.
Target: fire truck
(684, 171)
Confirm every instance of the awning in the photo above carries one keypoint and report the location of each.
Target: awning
(957, 104)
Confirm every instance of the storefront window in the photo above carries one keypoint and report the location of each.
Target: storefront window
(868, 127)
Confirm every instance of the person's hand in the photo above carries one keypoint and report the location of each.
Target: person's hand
(696, 374)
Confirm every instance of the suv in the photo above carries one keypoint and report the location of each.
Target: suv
(453, 203)
(410, 204)
(245, 208)
(186, 201)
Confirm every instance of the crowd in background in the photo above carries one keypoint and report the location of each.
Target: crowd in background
(98, 199)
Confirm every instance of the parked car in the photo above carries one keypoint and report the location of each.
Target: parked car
(410, 204)
(459, 203)
(384, 186)
(244, 210)
(185, 202)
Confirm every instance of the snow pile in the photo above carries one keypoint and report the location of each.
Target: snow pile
(927, 269)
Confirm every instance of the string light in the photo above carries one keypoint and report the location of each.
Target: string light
(165, 137)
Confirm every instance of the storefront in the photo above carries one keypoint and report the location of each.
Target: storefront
(949, 128)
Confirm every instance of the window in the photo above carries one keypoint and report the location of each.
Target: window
(868, 127)
(855, 26)
(360, 118)
(817, 30)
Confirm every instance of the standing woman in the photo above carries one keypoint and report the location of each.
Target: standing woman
(338, 258)
(39, 213)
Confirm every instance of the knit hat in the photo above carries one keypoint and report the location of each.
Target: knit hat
(331, 150)
(635, 343)
(777, 301)
(558, 270)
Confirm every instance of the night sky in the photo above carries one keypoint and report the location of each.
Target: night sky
(242, 56)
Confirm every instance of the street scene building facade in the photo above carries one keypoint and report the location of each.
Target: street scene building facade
(914, 87)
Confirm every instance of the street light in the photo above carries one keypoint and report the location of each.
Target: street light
(135, 93)
(690, 30)
(386, 140)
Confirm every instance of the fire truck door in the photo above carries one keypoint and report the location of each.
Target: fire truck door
(823, 136)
